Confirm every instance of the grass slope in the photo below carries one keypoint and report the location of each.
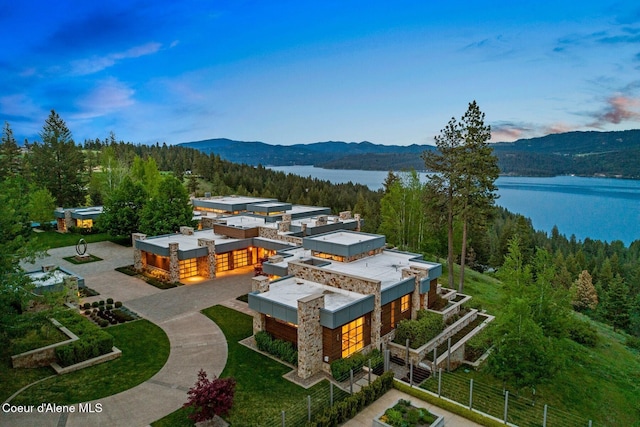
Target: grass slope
(601, 383)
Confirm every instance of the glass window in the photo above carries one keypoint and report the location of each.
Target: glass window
(188, 268)
(352, 337)
(222, 262)
(405, 303)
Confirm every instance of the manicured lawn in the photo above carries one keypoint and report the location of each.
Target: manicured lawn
(145, 349)
(261, 392)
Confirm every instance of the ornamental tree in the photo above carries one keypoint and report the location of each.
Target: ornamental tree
(210, 397)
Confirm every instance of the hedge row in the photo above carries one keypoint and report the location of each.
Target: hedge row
(92, 342)
(419, 332)
(348, 408)
(90, 346)
(281, 349)
(340, 368)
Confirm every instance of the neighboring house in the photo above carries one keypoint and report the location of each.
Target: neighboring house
(242, 232)
(339, 293)
(77, 217)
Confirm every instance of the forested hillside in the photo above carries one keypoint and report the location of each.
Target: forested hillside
(613, 154)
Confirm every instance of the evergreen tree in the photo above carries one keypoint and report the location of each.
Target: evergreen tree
(168, 210)
(617, 304)
(10, 158)
(478, 175)
(444, 183)
(41, 206)
(57, 163)
(584, 295)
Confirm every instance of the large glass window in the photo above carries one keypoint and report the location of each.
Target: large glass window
(328, 256)
(84, 223)
(241, 258)
(157, 261)
(188, 268)
(222, 262)
(352, 337)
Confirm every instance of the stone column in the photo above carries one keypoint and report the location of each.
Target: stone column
(187, 231)
(417, 274)
(345, 215)
(207, 222)
(284, 226)
(309, 335)
(358, 224)
(138, 262)
(174, 264)
(259, 284)
(71, 289)
(68, 221)
(303, 228)
(207, 264)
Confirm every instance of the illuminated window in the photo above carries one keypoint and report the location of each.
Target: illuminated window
(188, 268)
(394, 315)
(241, 258)
(352, 337)
(222, 262)
(84, 223)
(329, 256)
(405, 302)
(157, 261)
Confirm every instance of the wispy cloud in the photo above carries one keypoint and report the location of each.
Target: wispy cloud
(99, 63)
(619, 108)
(108, 96)
(511, 131)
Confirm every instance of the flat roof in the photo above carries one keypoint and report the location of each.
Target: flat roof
(289, 290)
(243, 221)
(345, 238)
(187, 242)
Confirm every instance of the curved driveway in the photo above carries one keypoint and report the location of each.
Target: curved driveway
(196, 342)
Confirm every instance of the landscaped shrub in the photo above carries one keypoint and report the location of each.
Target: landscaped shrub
(477, 346)
(87, 312)
(109, 300)
(86, 305)
(118, 304)
(109, 306)
(420, 331)
(583, 333)
(348, 408)
(283, 350)
(101, 302)
(93, 341)
(95, 304)
(340, 368)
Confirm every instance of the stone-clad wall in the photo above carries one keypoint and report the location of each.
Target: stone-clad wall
(207, 264)
(417, 274)
(174, 265)
(309, 335)
(273, 234)
(260, 284)
(139, 263)
(347, 282)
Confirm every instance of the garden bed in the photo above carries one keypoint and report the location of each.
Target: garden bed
(151, 280)
(82, 259)
(404, 414)
(105, 313)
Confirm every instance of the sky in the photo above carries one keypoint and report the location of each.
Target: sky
(289, 72)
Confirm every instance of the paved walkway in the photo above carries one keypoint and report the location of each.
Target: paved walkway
(196, 342)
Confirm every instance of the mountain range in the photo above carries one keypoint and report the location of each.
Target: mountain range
(611, 154)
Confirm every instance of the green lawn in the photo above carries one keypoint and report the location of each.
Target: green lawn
(261, 392)
(145, 349)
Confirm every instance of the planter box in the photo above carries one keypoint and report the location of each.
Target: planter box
(439, 422)
(42, 356)
(114, 354)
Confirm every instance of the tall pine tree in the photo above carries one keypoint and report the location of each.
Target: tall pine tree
(57, 163)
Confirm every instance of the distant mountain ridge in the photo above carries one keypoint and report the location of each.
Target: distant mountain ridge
(615, 154)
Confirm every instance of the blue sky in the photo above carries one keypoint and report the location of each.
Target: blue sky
(287, 72)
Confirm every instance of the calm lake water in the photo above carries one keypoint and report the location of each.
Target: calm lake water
(598, 208)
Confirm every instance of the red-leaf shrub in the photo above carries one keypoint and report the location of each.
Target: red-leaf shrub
(209, 398)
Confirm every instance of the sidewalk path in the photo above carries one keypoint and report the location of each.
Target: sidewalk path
(196, 342)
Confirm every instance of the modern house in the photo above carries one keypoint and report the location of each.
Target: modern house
(339, 293)
(76, 217)
(242, 232)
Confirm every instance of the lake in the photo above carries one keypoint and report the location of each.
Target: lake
(598, 208)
